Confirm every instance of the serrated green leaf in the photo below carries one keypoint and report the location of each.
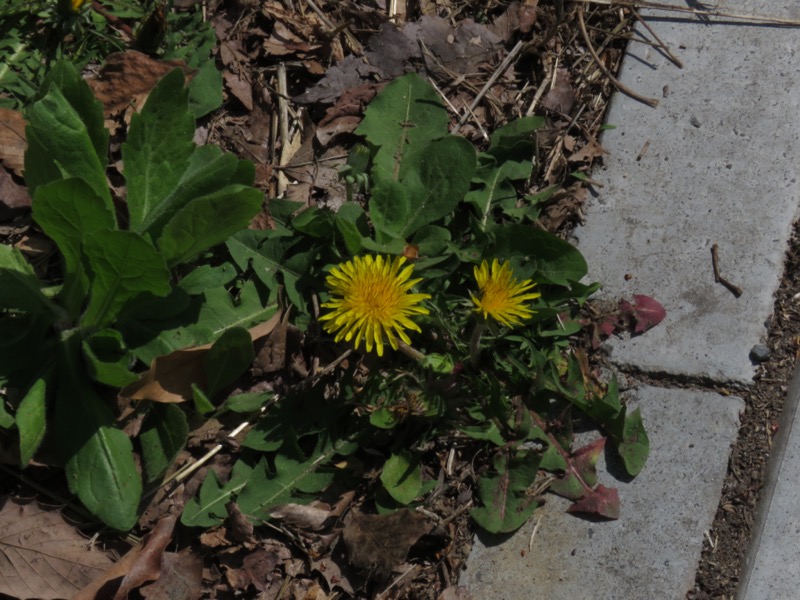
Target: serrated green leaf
(31, 421)
(164, 433)
(405, 115)
(59, 147)
(248, 402)
(402, 477)
(228, 358)
(204, 321)
(205, 90)
(351, 223)
(208, 507)
(266, 489)
(208, 221)
(123, 266)
(158, 148)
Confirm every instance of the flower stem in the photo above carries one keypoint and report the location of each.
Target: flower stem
(410, 352)
(475, 343)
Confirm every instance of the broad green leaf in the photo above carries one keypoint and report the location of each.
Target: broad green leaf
(77, 92)
(208, 507)
(100, 467)
(506, 504)
(405, 115)
(351, 223)
(123, 266)
(555, 260)
(158, 148)
(402, 477)
(228, 358)
(163, 434)
(206, 276)
(59, 147)
(202, 403)
(208, 221)
(519, 131)
(69, 211)
(433, 181)
(314, 221)
(248, 402)
(19, 286)
(31, 421)
(205, 90)
(107, 358)
(18, 334)
(634, 447)
(6, 418)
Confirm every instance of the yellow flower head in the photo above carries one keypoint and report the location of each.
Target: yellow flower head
(370, 300)
(77, 5)
(501, 296)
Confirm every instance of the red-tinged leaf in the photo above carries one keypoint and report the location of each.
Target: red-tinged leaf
(608, 325)
(601, 502)
(644, 314)
(647, 312)
(581, 473)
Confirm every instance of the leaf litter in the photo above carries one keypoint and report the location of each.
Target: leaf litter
(337, 60)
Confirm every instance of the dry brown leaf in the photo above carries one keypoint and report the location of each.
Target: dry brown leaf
(13, 196)
(304, 516)
(240, 88)
(378, 543)
(239, 526)
(169, 378)
(127, 77)
(43, 556)
(332, 572)
(588, 153)
(181, 577)
(12, 140)
(561, 96)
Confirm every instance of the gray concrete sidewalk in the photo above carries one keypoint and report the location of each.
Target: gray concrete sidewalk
(715, 163)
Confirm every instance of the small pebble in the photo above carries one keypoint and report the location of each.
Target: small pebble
(694, 121)
(759, 353)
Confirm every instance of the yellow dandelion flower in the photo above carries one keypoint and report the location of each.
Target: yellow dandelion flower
(371, 300)
(501, 296)
(78, 4)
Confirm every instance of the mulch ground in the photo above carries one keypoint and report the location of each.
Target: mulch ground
(297, 78)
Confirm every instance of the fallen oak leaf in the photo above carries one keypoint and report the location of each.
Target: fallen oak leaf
(43, 556)
(181, 577)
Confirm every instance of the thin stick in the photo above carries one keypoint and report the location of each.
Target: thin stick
(534, 532)
(617, 83)
(512, 56)
(660, 45)
(696, 11)
(734, 289)
(283, 111)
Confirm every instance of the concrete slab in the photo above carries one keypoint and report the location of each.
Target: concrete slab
(771, 567)
(716, 162)
(653, 550)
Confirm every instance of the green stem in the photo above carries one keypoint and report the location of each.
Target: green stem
(475, 343)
